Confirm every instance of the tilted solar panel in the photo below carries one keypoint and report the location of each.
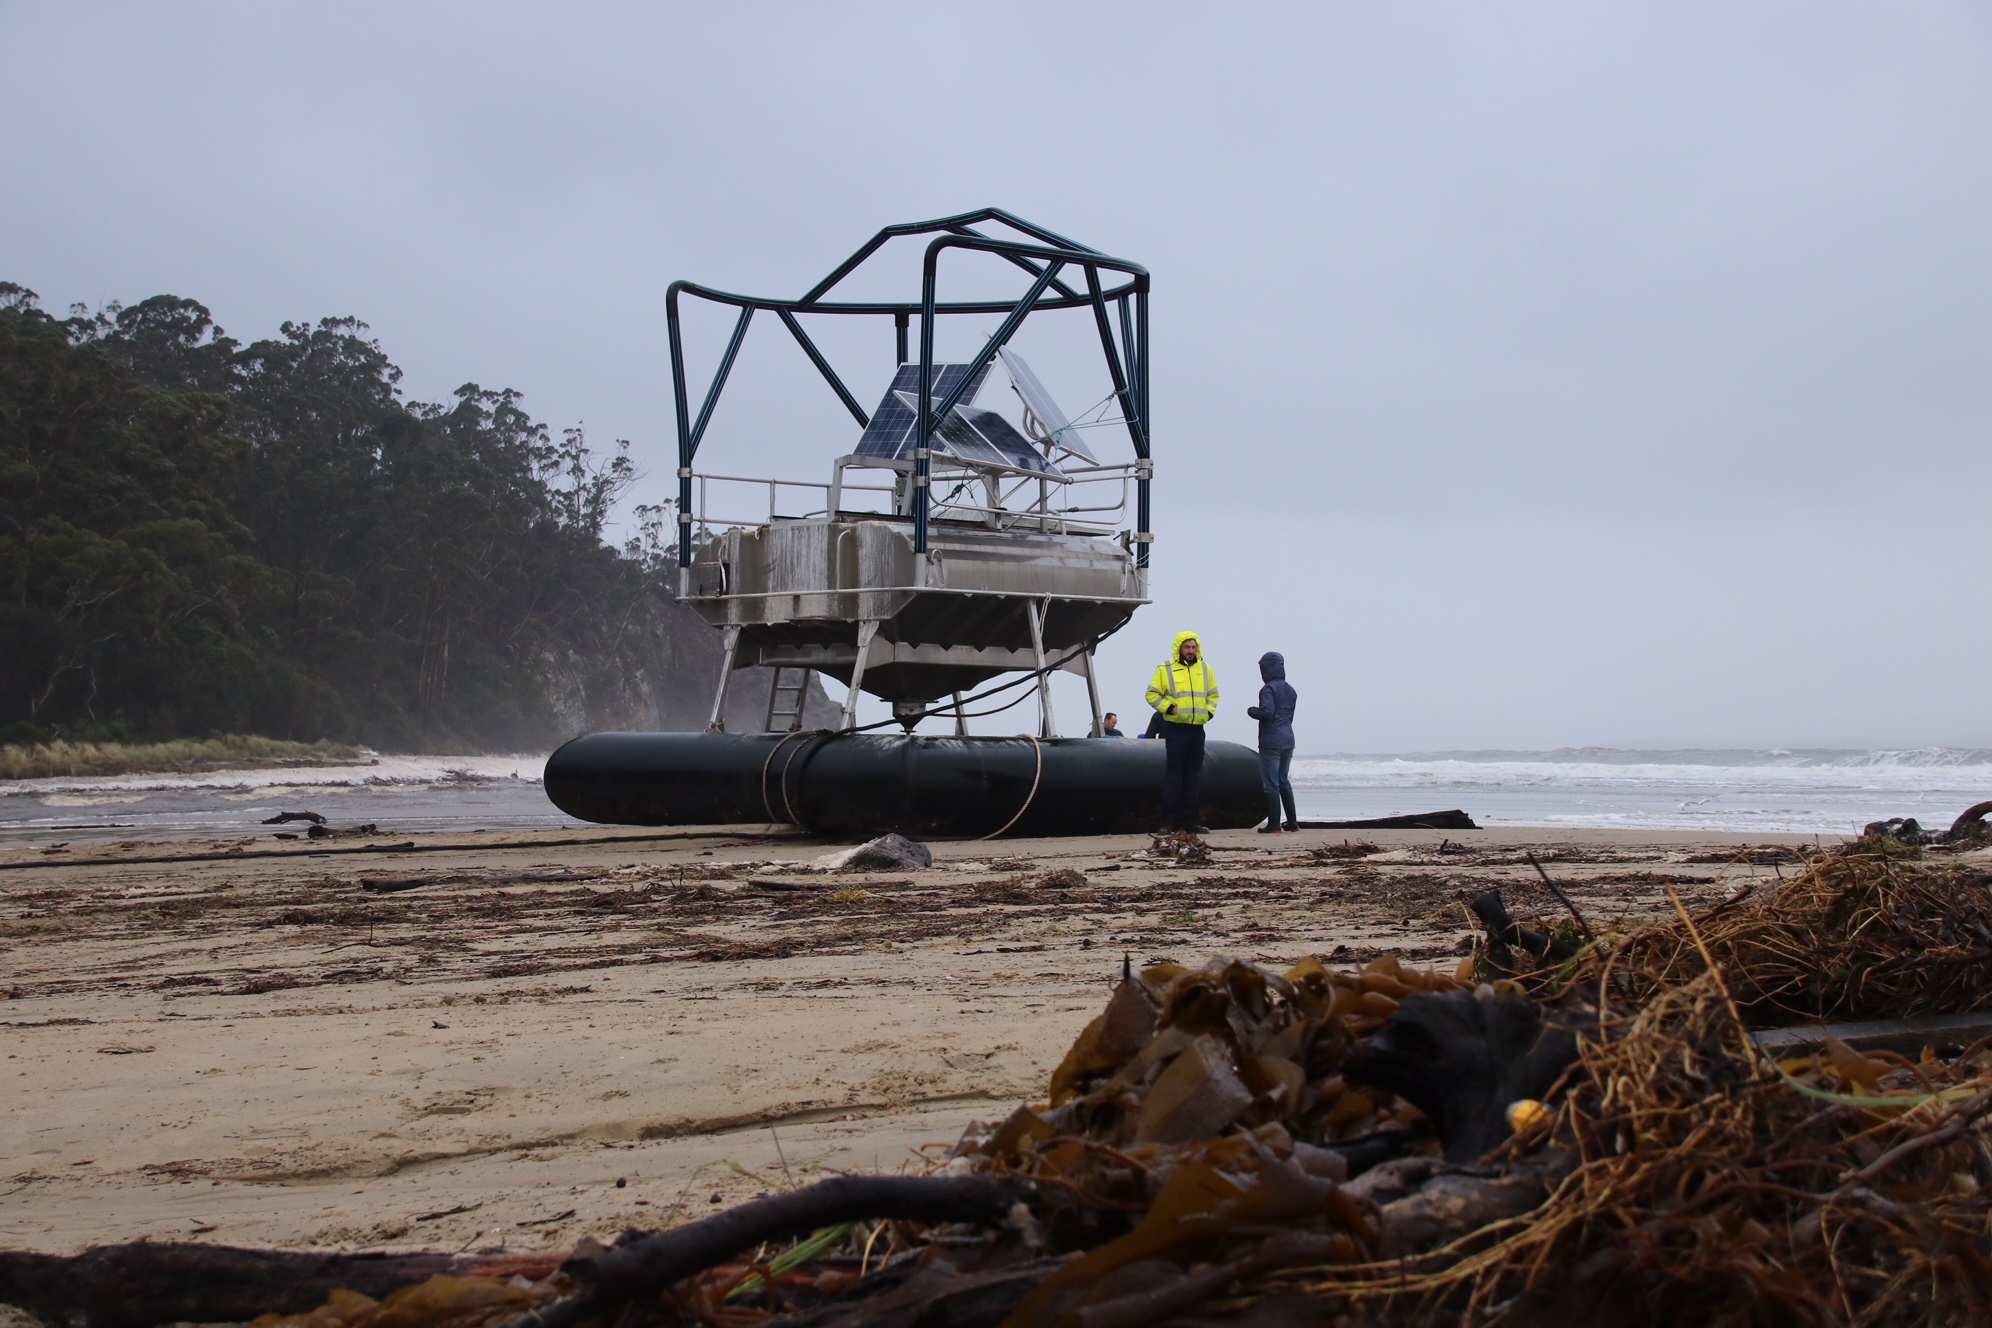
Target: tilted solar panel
(1059, 430)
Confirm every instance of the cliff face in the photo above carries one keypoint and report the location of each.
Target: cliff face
(672, 692)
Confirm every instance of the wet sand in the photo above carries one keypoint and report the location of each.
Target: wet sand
(548, 1035)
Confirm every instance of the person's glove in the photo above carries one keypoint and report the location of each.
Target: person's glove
(1170, 711)
(1253, 712)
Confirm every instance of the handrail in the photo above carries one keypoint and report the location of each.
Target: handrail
(1045, 259)
(915, 590)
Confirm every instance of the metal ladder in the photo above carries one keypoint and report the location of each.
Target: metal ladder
(785, 699)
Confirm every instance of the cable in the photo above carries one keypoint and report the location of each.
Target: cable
(984, 714)
(1018, 681)
(1029, 798)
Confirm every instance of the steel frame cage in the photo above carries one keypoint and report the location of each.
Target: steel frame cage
(1045, 260)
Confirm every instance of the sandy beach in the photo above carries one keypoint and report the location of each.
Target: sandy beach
(526, 1038)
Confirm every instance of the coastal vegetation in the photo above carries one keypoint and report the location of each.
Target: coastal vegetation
(229, 751)
(201, 535)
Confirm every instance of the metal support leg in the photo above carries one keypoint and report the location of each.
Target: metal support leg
(717, 724)
(867, 630)
(961, 720)
(1047, 727)
(1093, 695)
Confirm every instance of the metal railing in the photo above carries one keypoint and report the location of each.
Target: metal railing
(703, 519)
(1042, 516)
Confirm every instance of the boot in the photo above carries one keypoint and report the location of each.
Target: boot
(1292, 820)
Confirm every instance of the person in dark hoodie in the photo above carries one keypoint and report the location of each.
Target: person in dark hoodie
(1277, 702)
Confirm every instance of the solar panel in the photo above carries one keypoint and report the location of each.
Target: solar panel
(1001, 437)
(890, 432)
(953, 437)
(1058, 430)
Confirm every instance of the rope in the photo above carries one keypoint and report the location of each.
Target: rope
(1029, 798)
(822, 735)
(769, 807)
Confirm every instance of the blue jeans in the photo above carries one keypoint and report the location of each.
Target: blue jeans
(1273, 767)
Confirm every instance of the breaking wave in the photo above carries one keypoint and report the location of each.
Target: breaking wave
(383, 772)
(1822, 790)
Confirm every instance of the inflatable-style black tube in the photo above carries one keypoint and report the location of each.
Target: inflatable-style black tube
(862, 784)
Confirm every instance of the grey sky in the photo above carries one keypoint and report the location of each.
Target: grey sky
(1530, 375)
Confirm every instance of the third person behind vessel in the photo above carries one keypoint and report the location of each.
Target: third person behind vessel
(1277, 702)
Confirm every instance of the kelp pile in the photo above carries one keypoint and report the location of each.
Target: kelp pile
(1874, 931)
(1712, 1184)
(1599, 1136)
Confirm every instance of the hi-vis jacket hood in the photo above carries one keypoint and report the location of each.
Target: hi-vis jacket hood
(1190, 688)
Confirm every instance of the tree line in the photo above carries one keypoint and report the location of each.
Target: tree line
(200, 535)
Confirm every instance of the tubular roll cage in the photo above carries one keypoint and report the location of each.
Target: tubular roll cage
(1044, 260)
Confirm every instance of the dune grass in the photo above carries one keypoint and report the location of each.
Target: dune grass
(227, 751)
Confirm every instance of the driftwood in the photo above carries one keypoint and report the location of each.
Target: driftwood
(144, 1283)
(285, 818)
(1448, 820)
(1908, 1036)
(397, 885)
(322, 831)
(1970, 825)
(1462, 1059)
(643, 1264)
(1421, 1203)
(1969, 828)
(1506, 937)
(1453, 1203)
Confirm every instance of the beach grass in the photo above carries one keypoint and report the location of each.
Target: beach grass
(226, 751)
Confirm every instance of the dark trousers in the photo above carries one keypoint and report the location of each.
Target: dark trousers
(1182, 776)
(1273, 768)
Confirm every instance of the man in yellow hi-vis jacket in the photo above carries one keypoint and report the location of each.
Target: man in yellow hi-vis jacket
(1184, 693)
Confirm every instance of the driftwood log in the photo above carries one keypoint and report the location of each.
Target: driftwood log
(143, 1283)
(1970, 825)
(1421, 1203)
(1969, 828)
(643, 1264)
(1511, 947)
(1447, 820)
(1452, 1203)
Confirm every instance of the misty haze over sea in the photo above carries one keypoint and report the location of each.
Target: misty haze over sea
(1775, 790)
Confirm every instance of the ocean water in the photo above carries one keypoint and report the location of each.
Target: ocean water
(1777, 790)
(396, 793)
(1806, 791)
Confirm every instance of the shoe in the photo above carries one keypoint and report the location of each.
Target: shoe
(1269, 829)
(1293, 827)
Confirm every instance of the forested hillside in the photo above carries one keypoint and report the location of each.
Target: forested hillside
(201, 535)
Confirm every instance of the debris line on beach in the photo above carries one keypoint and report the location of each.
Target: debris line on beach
(1572, 1125)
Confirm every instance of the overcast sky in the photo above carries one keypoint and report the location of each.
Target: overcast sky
(1528, 374)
